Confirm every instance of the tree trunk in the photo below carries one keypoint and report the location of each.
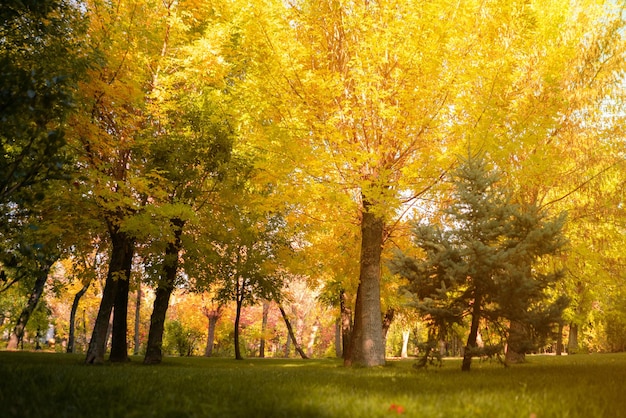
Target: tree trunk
(266, 309)
(338, 351)
(238, 355)
(387, 320)
(137, 318)
(572, 342)
(292, 336)
(346, 324)
(312, 336)
(559, 340)
(213, 317)
(122, 250)
(18, 332)
(71, 344)
(119, 332)
(517, 341)
(405, 343)
(367, 347)
(473, 335)
(154, 352)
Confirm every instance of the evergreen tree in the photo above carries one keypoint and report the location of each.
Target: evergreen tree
(481, 262)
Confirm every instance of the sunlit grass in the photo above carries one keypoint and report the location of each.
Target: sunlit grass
(59, 385)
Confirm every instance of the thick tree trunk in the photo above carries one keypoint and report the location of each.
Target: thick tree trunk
(18, 332)
(515, 348)
(154, 346)
(238, 355)
(346, 324)
(292, 336)
(122, 250)
(367, 347)
(71, 344)
(119, 332)
(266, 310)
(473, 335)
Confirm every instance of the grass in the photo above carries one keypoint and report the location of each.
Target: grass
(59, 385)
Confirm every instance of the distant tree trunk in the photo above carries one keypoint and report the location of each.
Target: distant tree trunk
(346, 323)
(288, 345)
(559, 340)
(154, 353)
(387, 320)
(405, 343)
(137, 317)
(367, 347)
(473, 335)
(314, 329)
(572, 342)
(517, 341)
(238, 355)
(18, 332)
(291, 334)
(338, 350)
(212, 316)
(266, 309)
(71, 344)
(122, 250)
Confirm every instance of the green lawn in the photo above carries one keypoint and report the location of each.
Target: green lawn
(59, 385)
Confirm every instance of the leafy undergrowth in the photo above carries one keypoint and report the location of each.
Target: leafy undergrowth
(59, 385)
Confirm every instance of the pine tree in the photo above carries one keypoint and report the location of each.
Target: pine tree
(482, 260)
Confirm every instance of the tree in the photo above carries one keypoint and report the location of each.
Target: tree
(482, 260)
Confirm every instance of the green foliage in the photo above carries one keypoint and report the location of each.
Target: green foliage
(51, 385)
(40, 63)
(483, 258)
(181, 339)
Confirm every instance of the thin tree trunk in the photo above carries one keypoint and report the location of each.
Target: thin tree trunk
(338, 350)
(312, 336)
(387, 320)
(266, 310)
(137, 317)
(122, 249)
(473, 335)
(405, 344)
(367, 347)
(154, 352)
(238, 355)
(291, 334)
(18, 332)
(71, 344)
(572, 342)
(346, 324)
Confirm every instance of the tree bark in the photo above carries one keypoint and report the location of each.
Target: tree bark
(154, 346)
(405, 344)
(559, 340)
(338, 350)
(71, 343)
(367, 347)
(266, 309)
(213, 316)
(515, 348)
(238, 355)
(346, 324)
(387, 320)
(18, 332)
(473, 335)
(119, 332)
(292, 336)
(572, 342)
(122, 250)
(137, 318)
